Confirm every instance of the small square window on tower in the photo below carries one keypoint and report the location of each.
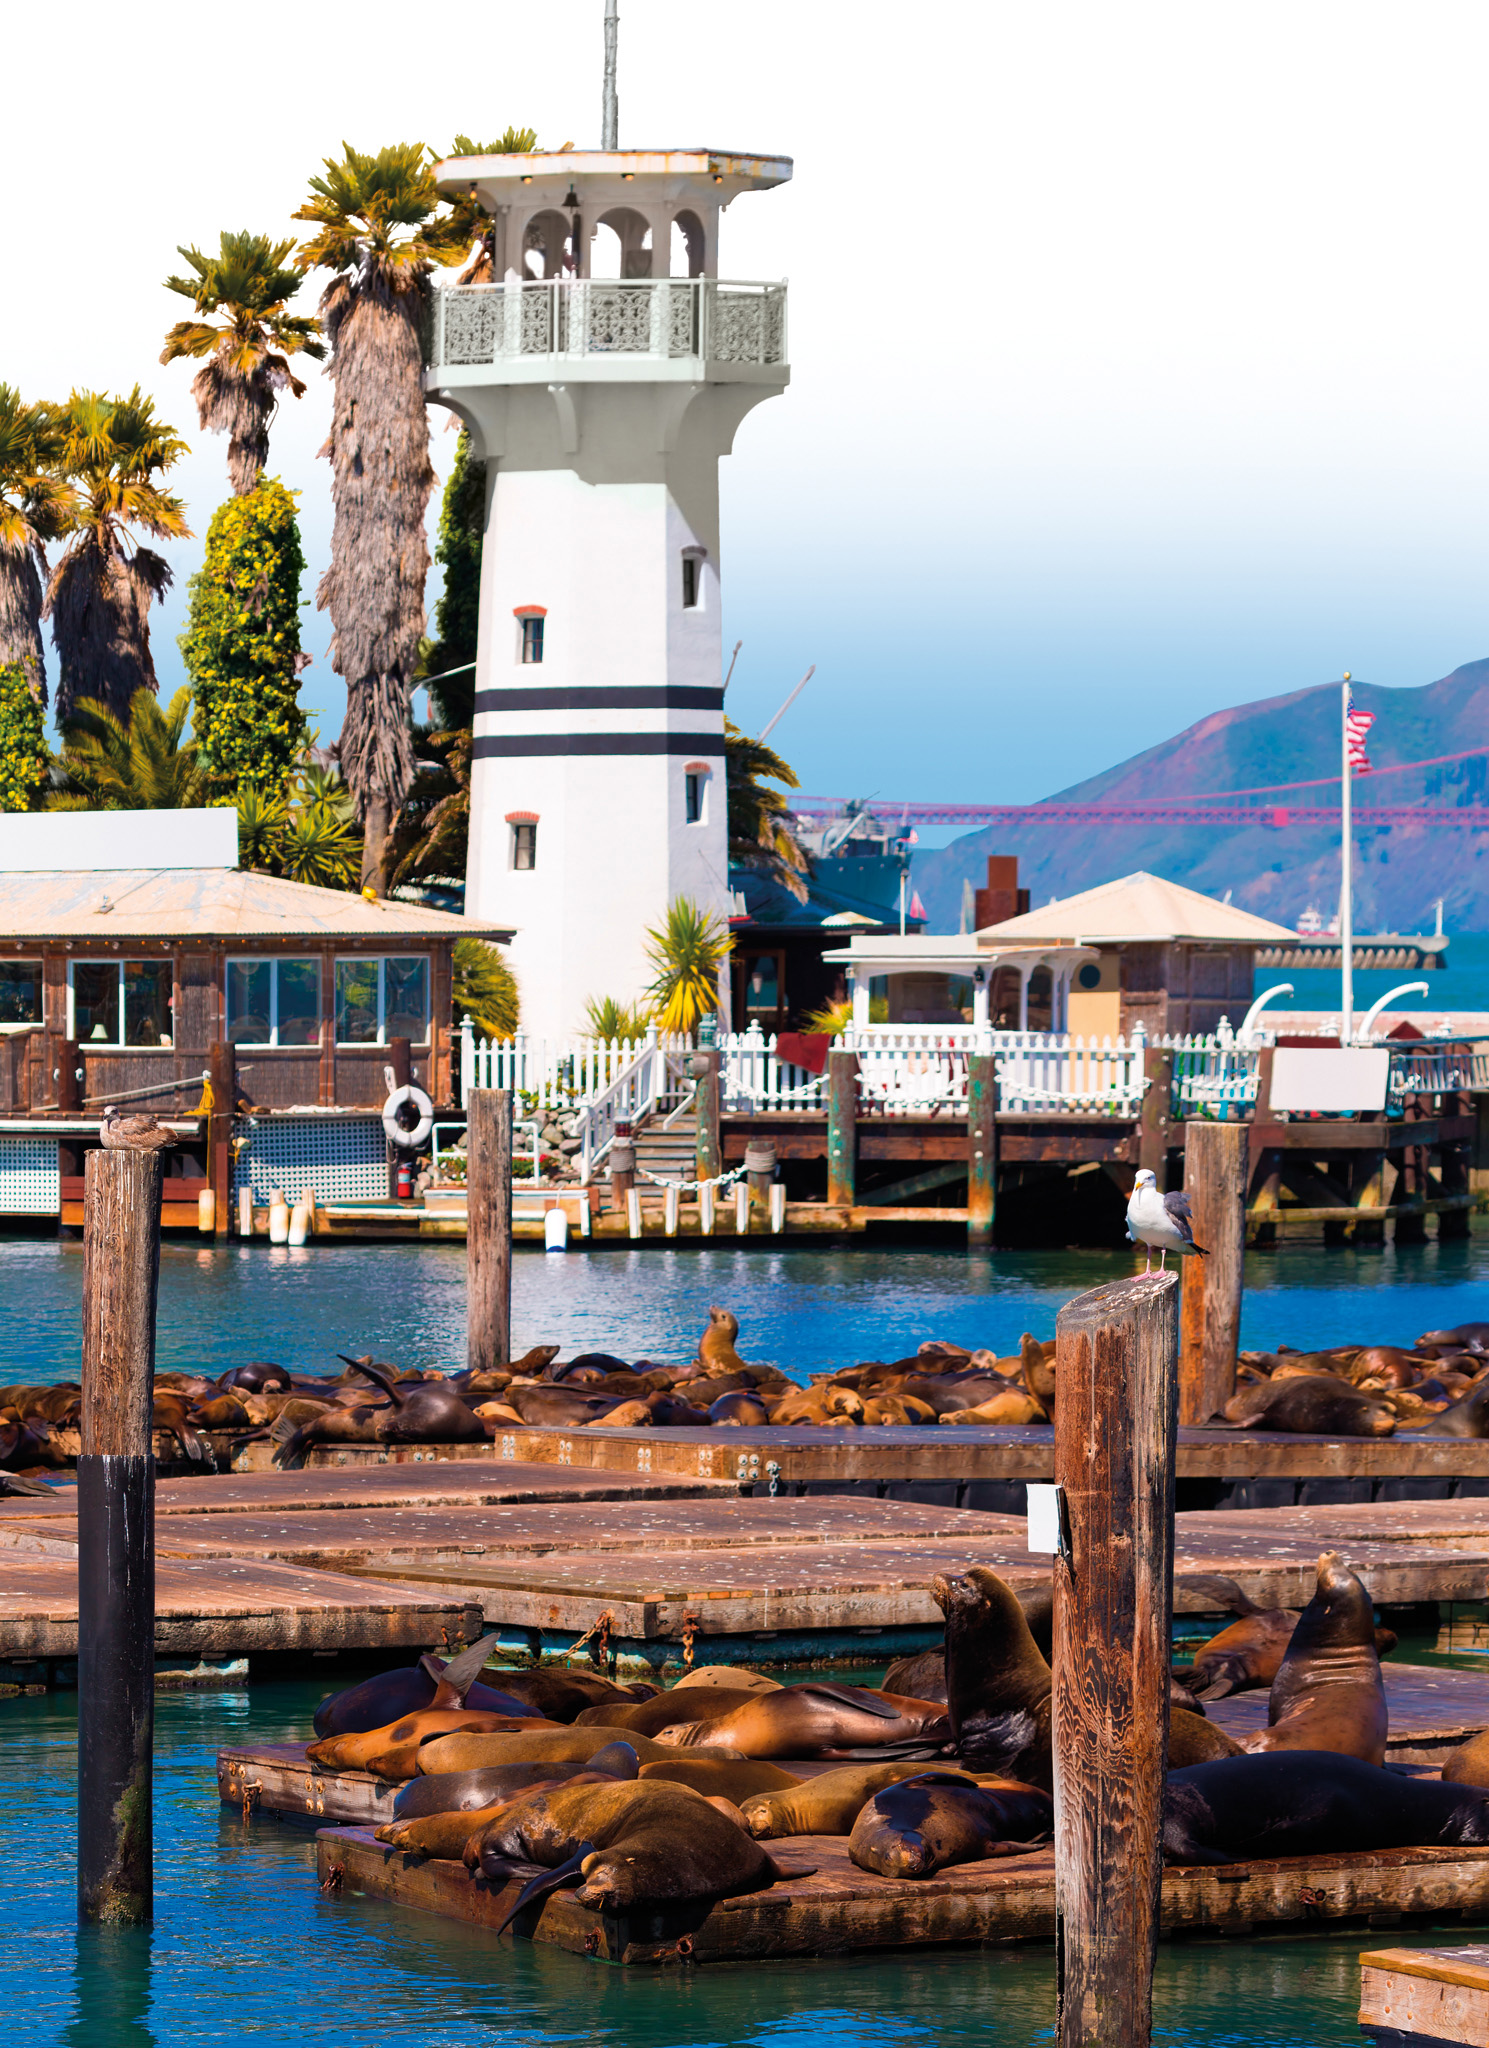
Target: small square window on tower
(530, 619)
(692, 579)
(524, 826)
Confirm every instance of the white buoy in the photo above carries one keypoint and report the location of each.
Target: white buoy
(705, 1209)
(669, 1210)
(633, 1211)
(741, 1208)
(777, 1207)
(206, 1212)
(245, 1212)
(556, 1229)
(279, 1218)
(584, 1215)
(299, 1228)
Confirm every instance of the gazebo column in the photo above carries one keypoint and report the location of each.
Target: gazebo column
(980, 996)
(1024, 973)
(859, 985)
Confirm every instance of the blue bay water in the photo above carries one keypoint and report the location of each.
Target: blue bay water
(1463, 986)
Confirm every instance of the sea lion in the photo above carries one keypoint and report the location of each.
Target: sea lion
(471, 1791)
(738, 1410)
(253, 1378)
(671, 1411)
(1328, 1694)
(537, 1745)
(719, 1777)
(562, 1695)
(1312, 1803)
(922, 1677)
(927, 1822)
(1011, 1408)
(818, 1407)
(683, 1703)
(1037, 1361)
(829, 1804)
(1194, 1740)
(1317, 1405)
(732, 1677)
(997, 1682)
(393, 1752)
(1467, 1336)
(716, 1352)
(1469, 1763)
(1245, 1655)
(624, 1846)
(418, 1412)
(818, 1719)
(1468, 1417)
(378, 1702)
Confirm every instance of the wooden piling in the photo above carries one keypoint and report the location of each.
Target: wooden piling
(1215, 1162)
(708, 1151)
(116, 1539)
(1116, 1376)
(842, 1127)
(67, 1077)
(223, 1081)
(488, 1242)
(1153, 1132)
(982, 1148)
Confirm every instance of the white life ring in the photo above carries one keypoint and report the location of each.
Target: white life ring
(407, 1137)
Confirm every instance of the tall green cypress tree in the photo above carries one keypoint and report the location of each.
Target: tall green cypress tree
(23, 742)
(462, 523)
(242, 641)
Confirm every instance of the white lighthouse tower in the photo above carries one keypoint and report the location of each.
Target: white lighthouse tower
(601, 407)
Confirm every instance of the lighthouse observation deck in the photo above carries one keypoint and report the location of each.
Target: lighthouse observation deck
(645, 329)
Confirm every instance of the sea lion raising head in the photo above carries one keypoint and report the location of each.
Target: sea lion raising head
(1328, 1693)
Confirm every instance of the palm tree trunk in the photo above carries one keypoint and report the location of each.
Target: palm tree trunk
(377, 825)
(20, 618)
(99, 606)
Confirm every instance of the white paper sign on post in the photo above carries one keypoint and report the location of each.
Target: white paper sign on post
(1047, 1523)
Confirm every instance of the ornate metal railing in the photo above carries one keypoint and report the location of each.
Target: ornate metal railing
(666, 318)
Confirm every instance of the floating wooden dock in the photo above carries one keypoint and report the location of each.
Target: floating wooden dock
(1425, 1998)
(841, 1908)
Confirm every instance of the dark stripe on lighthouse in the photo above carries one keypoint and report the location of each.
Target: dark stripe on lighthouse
(605, 697)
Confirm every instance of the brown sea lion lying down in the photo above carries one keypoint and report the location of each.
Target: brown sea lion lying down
(469, 1791)
(393, 1752)
(691, 1703)
(418, 1412)
(623, 1847)
(1328, 1693)
(719, 1777)
(925, 1823)
(444, 1835)
(565, 1695)
(1317, 1405)
(817, 1719)
(828, 1804)
(381, 1700)
(1248, 1654)
(536, 1745)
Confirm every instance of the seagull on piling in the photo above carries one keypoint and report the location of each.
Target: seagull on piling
(1162, 1220)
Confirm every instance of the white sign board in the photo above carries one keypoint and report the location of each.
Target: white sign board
(1045, 1527)
(1341, 1078)
(48, 842)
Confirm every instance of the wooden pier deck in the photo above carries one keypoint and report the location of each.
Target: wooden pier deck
(1425, 1998)
(842, 1908)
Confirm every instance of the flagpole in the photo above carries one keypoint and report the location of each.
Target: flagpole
(1346, 905)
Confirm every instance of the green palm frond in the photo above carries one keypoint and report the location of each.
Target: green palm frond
(759, 836)
(359, 207)
(262, 816)
(613, 1021)
(484, 988)
(320, 847)
(467, 218)
(147, 764)
(687, 950)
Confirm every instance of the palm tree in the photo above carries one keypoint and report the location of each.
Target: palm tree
(34, 506)
(304, 830)
(111, 450)
(687, 950)
(759, 837)
(376, 232)
(468, 220)
(144, 763)
(247, 353)
(615, 1022)
(431, 832)
(483, 988)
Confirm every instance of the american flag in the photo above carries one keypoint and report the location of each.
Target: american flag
(1356, 725)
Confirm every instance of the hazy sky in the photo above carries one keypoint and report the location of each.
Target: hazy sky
(1138, 352)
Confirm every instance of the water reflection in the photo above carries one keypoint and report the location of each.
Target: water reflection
(111, 1989)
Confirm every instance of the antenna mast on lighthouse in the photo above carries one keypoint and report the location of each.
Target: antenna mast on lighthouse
(610, 110)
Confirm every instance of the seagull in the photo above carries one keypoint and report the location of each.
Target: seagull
(1159, 1219)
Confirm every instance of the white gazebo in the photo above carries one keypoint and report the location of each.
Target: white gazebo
(914, 965)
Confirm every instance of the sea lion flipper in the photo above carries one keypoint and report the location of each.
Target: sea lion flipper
(852, 1696)
(374, 1373)
(782, 1871)
(539, 1887)
(460, 1673)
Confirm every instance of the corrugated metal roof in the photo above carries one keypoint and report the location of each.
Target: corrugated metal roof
(210, 903)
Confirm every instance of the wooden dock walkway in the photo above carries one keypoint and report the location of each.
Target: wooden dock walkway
(1425, 1998)
(841, 1908)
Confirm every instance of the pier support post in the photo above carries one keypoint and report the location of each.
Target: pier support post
(116, 1538)
(708, 1151)
(488, 1242)
(223, 1081)
(1215, 1162)
(842, 1127)
(1152, 1136)
(1116, 1368)
(982, 1148)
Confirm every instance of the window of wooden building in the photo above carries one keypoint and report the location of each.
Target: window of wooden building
(273, 1002)
(20, 992)
(382, 998)
(119, 1002)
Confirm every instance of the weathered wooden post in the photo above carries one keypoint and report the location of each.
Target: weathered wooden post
(1116, 1376)
(222, 1079)
(1215, 1161)
(488, 1229)
(708, 1151)
(67, 1076)
(1152, 1136)
(622, 1165)
(116, 1538)
(842, 1127)
(982, 1147)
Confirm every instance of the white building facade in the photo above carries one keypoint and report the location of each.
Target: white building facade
(601, 407)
